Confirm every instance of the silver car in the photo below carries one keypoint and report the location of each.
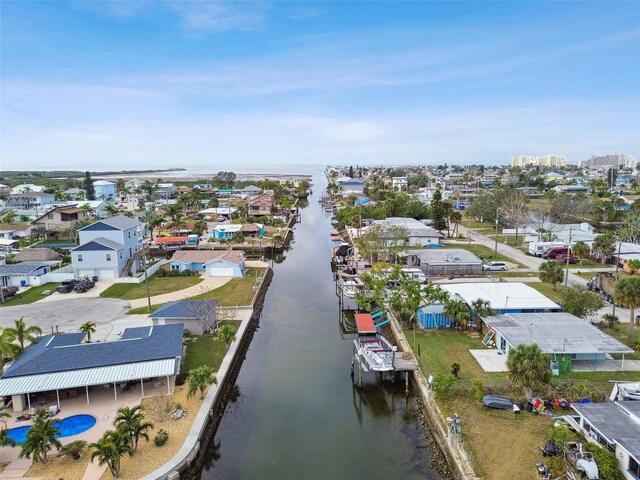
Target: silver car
(495, 267)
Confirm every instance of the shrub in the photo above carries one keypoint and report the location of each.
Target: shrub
(606, 461)
(161, 438)
(478, 388)
(612, 320)
(581, 390)
(161, 406)
(443, 384)
(178, 406)
(455, 369)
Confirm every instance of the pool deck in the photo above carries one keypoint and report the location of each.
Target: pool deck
(103, 406)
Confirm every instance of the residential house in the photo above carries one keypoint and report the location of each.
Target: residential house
(251, 190)
(25, 274)
(61, 218)
(432, 316)
(26, 201)
(214, 263)
(615, 426)
(15, 230)
(262, 205)
(105, 190)
(63, 366)
(567, 339)
(94, 206)
(27, 188)
(4, 188)
(444, 262)
(417, 232)
(572, 189)
(109, 248)
(197, 316)
(399, 183)
(165, 190)
(225, 231)
(75, 194)
(36, 255)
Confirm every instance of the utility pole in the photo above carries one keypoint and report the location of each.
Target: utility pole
(566, 277)
(146, 281)
(495, 253)
(616, 275)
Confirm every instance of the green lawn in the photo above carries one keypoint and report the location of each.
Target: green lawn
(239, 291)
(157, 286)
(472, 223)
(143, 310)
(547, 290)
(484, 253)
(512, 274)
(32, 295)
(206, 350)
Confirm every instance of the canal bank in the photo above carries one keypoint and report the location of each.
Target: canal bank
(295, 412)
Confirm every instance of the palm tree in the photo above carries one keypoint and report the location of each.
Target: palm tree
(152, 219)
(480, 308)
(627, 294)
(8, 349)
(22, 333)
(41, 438)
(88, 328)
(580, 249)
(110, 449)
(175, 215)
(458, 311)
(74, 450)
(551, 272)
(111, 210)
(5, 441)
(528, 366)
(227, 333)
(199, 379)
(605, 244)
(130, 421)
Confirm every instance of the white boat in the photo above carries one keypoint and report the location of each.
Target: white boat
(376, 351)
(626, 391)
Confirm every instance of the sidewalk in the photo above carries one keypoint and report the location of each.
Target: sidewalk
(209, 283)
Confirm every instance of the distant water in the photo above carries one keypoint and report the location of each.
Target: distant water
(200, 170)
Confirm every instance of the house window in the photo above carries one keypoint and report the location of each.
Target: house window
(634, 467)
(50, 216)
(129, 234)
(79, 257)
(120, 255)
(108, 257)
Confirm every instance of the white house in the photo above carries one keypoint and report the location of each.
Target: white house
(399, 183)
(27, 187)
(30, 200)
(105, 190)
(418, 233)
(24, 274)
(108, 248)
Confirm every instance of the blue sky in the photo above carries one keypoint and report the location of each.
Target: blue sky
(118, 84)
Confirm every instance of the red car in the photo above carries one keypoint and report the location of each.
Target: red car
(563, 259)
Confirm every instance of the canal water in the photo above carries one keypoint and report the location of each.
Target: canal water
(298, 414)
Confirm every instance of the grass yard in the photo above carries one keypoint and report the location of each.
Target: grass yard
(32, 295)
(239, 291)
(547, 290)
(206, 350)
(157, 286)
(484, 253)
(513, 274)
(508, 239)
(472, 223)
(144, 310)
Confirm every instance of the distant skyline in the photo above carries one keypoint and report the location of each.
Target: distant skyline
(156, 84)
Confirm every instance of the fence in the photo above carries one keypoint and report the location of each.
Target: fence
(57, 276)
(140, 277)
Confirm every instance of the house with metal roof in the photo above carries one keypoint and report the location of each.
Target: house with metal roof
(616, 426)
(109, 248)
(215, 263)
(25, 274)
(197, 316)
(417, 232)
(59, 363)
(444, 262)
(507, 297)
(569, 340)
(225, 231)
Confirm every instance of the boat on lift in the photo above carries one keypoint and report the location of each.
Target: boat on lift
(374, 349)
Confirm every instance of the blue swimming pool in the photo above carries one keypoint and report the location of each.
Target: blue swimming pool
(68, 426)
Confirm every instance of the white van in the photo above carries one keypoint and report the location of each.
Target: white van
(538, 249)
(416, 274)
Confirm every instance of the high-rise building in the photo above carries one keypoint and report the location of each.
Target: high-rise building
(553, 161)
(613, 159)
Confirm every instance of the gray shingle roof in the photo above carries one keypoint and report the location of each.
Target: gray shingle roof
(121, 222)
(60, 353)
(100, 241)
(23, 268)
(36, 254)
(184, 309)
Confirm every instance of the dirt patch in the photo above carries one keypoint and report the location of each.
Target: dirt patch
(60, 468)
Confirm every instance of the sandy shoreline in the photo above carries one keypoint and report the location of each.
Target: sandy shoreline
(190, 176)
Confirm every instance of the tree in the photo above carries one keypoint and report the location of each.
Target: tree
(630, 229)
(110, 449)
(580, 249)
(528, 366)
(152, 220)
(131, 421)
(237, 237)
(567, 208)
(87, 185)
(484, 205)
(455, 217)
(384, 240)
(22, 333)
(8, 349)
(88, 328)
(199, 227)
(175, 216)
(581, 302)
(551, 272)
(5, 441)
(111, 210)
(74, 449)
(227, 333)
(515, 208)
(224, 179)
(627, 294)
(480, 308)
(634, 265)
(458, 311)
(199, 379)
(41, 438)
(438, 211)
(9, 217)
(605, 245)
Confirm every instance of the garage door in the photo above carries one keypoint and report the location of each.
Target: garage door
(220, 271)
(106, 274)
(86, 273)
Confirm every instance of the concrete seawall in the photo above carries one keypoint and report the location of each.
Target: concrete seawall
(186, 463)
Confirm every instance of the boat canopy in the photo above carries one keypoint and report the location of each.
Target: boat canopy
(364, 323)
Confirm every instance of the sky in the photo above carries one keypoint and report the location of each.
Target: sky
(195, 84)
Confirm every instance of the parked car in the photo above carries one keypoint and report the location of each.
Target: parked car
(8, 292)
(495, 267)
(582, 460)
(83, 286)
(562, 258)
(66, 286)
(554, 252)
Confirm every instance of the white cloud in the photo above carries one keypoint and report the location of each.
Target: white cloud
(220, 16)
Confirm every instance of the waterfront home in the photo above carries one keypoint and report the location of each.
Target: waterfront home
(63, 366)
(105, 190)
(511, 297)
(36, 254)
(198, 317)
(444, 262)
(37, 200)
(165, 190)
(225, 231)
(214, 211)
(95, 207)
(75, 193)
(61, 218)
(214, 263)
(567, 339)
(418, 234)
(27, 188)
(572, 189)
(15, 230)
(25, 274)
(109, 248)
(251, 190)
(262, 205)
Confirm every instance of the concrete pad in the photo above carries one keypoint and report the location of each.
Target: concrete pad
(93, 293)
(490, 359)
(605, 366)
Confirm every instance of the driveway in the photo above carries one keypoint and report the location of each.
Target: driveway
(68, 315)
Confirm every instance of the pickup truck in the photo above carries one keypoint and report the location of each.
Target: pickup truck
(66, 286)
(83, 286)
(8, 292)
